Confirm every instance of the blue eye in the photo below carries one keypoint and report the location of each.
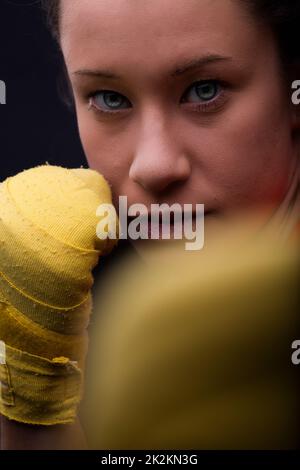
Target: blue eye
(109, 101)
(203, 91)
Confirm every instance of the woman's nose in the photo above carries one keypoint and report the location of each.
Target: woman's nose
(159, 161)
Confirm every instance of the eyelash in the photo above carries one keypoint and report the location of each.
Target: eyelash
(206, 106)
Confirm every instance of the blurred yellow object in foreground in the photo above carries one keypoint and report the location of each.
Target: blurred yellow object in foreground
(194, 352)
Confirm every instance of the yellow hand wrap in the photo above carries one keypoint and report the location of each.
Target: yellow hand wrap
(48, 248)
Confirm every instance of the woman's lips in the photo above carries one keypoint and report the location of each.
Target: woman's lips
(156, 225)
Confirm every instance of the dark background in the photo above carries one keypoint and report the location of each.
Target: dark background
(35, 124)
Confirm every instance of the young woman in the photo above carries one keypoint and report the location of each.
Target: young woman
(185, 102)
(189, 102)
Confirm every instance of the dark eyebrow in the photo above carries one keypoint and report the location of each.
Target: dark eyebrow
(97, 73)
(198, 62)
(179, 69)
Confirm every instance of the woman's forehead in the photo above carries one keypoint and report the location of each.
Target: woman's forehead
(127, 31)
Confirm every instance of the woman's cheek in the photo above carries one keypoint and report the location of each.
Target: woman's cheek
(105, 154)
(245, 161)
(94, 143)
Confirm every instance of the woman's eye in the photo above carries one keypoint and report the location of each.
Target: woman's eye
(107, 101)
(202, 92)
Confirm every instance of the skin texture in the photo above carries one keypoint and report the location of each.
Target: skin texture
(166, 144)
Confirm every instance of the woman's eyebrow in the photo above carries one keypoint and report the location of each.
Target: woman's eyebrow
(180, 69)
(198, 62)
(97, 73)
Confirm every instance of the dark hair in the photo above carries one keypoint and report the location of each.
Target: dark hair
(52, 9)
(283, 16)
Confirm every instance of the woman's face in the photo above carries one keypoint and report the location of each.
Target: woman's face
(180, 101)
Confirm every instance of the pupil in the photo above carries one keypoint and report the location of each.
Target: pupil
(206, 91)
(113, 100)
